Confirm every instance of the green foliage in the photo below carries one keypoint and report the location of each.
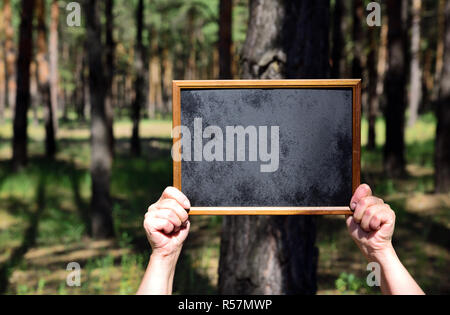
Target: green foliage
(61, 190)
(348, 283)
(132, 267)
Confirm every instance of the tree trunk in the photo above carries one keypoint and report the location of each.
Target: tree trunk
(139, 84)
(276, 254)
(415, 93)
(439, 48)
(167, 78)
(44, 79)
(155, 85)
(10, 56)
(372, 87)
(382, 62)
(101, 159)
(110, 47)
(54, 74)
(79, 93)
(62, 92)
(2, 70)
(394, 157)
(442, 153)
(358, 16)
(34, 95)
(85, 82)
(191, 73)
(427, 79)
(225, 38)
(339, 30)
(20, 154)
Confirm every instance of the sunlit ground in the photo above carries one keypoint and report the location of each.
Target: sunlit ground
(44, 218)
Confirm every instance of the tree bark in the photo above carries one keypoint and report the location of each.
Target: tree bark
(110, 48)
(101, 159)
(439, 48)
(339, 30)
(415, 85)
(62, 92)
(155, 99)
(442, 152)
(10, 56)
(139, 84)
(2, 69)
(358, 16)
(276, 254)
(20, 153)
(167, 78)
(191, 70)
(85, 82)
(54, 73)
(44, 80)
(79, 93)
(382, 61)
(225, 39)
(372, 87)
(34, 94)
(394, 157)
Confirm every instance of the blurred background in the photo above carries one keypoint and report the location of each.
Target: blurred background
(85, 129)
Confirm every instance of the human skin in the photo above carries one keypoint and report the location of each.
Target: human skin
(167, 226)
(371, 226)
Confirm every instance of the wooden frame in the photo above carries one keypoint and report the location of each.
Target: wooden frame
(354, 84)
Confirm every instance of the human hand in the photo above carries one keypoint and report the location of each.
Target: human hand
(372, 224)
(166, 223)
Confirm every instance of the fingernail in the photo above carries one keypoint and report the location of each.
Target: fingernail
(353, 205)
(187, 204)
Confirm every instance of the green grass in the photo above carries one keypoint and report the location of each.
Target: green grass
(44, 218)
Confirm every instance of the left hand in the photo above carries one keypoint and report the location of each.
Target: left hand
(372, 224)
(166, 223)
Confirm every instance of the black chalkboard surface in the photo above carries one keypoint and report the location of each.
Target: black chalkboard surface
(267, 147)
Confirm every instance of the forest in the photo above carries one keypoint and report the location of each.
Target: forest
(86, 122)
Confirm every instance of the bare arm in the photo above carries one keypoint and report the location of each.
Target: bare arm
(166, 225)
(371, 227)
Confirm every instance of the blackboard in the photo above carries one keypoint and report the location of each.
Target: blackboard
(267, 147)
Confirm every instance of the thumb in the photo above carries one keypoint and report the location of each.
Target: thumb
(348, 220)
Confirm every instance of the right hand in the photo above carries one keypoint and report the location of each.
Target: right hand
(372, 224)
(166, 223)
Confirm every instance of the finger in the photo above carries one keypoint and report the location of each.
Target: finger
(363, 204)
(361, 192)
(170, 215)
(184, 231)
(370, 213)
(175, 206)
(375, 223)
(348, 220)
(173, 193)
(386, 216)
(162, 225)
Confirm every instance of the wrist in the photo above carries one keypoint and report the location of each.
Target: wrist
(166, 261)
(158, 278)
(383, 255)
(165, 256)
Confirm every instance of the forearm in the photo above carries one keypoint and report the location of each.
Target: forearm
(395, 279)
(158, 278)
